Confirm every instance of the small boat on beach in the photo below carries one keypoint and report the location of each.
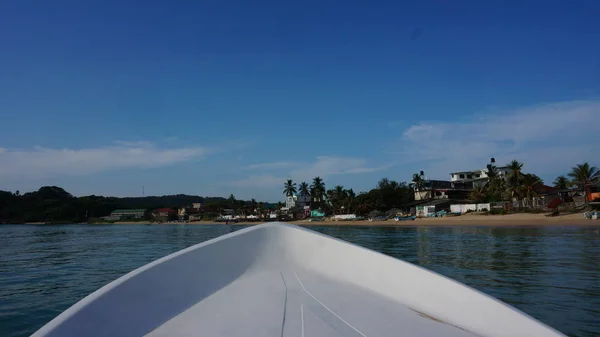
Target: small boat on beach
(379, 218)
(404, 218)
(592, 215)
(277, 279)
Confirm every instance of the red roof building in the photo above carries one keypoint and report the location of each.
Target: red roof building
(163, 211)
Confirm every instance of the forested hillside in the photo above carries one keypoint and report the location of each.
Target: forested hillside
(54, 204)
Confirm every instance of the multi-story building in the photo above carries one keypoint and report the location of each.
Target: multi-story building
(459, 186)
(478, 175)
(443, 189)
(297, 201)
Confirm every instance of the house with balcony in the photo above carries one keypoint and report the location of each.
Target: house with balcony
(459, 186)
(478, 176)
(443, 189)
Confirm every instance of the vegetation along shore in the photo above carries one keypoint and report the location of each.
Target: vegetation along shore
(471, 219)
(496, 195)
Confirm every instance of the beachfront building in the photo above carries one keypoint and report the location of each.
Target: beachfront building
(126, 214)
(164, 214)
(297, 201)
(424, 208)
(190, 213)
(459, 186)
(477, 176)
(443, 189)
(227, 214)
(593, 194)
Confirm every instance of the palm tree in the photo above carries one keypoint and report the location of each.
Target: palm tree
(583, 176)
(478, 193)
(516, 168)
(330, 200)
(289, 188)
(498, 190)
(492, 172)
(350, 199)
(529, 182)
(317, 190)
(231, 201)
(418, 183)
(515, 176)
(339, 197)
(304, 189)
(561, 182)
(340, 192)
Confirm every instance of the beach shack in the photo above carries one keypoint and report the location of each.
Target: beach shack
(593, 193)
(430, 208)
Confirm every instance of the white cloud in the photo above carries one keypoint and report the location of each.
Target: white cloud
(41, 162)
(548, 138)
(324, 166)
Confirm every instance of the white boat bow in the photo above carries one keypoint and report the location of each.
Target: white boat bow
(282, 280)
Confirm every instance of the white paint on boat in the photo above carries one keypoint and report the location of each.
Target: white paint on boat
(282, 280)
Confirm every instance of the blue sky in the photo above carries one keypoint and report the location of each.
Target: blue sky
(219, 97)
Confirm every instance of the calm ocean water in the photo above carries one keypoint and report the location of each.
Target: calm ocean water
(550, 273)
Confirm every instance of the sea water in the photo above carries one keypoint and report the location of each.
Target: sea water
(551, 273)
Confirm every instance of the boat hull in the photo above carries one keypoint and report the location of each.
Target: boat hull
(404, 218)
(282, 280)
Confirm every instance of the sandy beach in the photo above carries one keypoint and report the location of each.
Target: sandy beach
(520, 219)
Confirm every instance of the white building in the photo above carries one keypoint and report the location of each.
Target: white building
(477, 174)
(297, 201)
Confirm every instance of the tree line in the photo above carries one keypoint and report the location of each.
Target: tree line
(386, 195)
(54, 204)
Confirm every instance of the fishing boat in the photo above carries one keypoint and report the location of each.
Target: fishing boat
(379, 218)
(278, 279)
(403, 218)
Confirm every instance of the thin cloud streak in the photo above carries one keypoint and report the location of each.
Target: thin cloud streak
(272, 165)
(323, 166)
(41, 162)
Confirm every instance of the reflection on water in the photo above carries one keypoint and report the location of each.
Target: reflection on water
(550, 273)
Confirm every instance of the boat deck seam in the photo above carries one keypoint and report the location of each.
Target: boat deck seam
(302, 319)
(285, 299)
(326, 307)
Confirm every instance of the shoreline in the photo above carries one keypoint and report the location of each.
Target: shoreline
(519, 219)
